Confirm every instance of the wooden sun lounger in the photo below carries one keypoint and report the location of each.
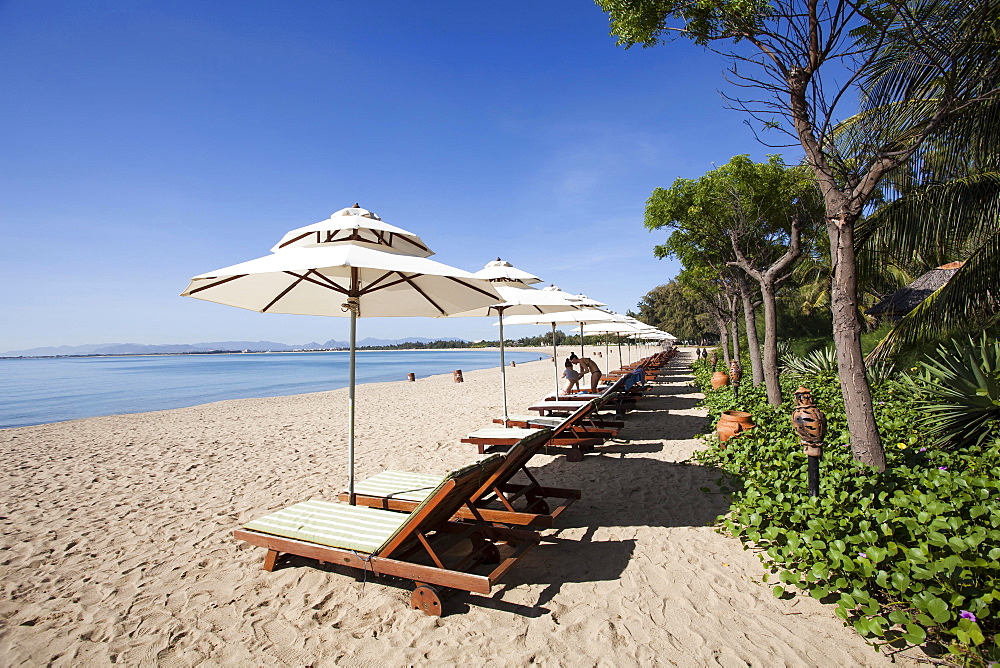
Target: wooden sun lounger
(576, 432)
(507, 436)
(565, 404)
(496, 500)
(537, 421)
(423, 546)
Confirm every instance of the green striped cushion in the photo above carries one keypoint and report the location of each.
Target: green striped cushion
(534, 419)
(351, 527)
(399, 485)
(333, 524)
(510, 432)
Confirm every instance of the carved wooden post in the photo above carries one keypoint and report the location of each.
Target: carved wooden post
(810, 424)
(735, 373)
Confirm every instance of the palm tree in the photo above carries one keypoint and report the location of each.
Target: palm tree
(944, 207)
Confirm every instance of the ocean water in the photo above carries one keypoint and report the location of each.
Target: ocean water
(37, 391)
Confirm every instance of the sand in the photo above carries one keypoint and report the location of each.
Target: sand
(117, 543)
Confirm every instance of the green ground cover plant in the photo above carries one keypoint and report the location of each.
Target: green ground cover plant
(910, 556)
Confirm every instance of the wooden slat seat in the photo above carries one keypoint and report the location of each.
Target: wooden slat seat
(419, 545)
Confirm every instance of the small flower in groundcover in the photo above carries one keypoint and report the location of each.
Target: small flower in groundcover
(965, 614)
(901, 446)
(922, 450)
(862, 555)
(943, 468)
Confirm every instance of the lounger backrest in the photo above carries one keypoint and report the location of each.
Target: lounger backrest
(454, 490)
(515, 457)
(575, 417)
(617, 386)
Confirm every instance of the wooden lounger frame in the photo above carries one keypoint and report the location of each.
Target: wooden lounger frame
(415, 553)
(497, 490)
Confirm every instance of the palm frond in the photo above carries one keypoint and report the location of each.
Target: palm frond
(970, 301)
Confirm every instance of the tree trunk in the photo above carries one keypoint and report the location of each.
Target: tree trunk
(771, 344)
(734, 329)
(866, 444)
(724, 339)
(750, 319)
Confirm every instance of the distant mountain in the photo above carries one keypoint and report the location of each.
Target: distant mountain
(253, 346)
(369, 341)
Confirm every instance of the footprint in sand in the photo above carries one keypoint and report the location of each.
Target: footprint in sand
(281, 634)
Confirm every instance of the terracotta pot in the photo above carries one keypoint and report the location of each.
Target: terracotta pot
(719, 379)
(732, 423)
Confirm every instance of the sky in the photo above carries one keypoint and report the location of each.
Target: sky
(147, 142)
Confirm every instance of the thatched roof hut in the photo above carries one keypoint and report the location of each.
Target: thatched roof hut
(906, 299)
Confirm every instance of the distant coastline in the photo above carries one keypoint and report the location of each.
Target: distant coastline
(493, 345)
(108, 350)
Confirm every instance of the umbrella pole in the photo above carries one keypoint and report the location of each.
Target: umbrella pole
(503, 369)
(607, 353)
(620, 365)
(555, 359)
(582, 354)
(350, 409)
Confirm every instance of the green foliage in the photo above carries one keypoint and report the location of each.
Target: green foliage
(959, 392)
(674, 309)
(820, 362)
(703, 20)
(909, 556)
(756, 200)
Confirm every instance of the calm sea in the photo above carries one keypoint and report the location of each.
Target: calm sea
(36, 391)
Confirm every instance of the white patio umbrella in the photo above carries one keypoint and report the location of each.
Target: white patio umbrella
(351, 265)
(582, 300)
(519, 298)
(580, 317)
(619, 327)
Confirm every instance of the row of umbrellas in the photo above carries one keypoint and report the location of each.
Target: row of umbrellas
(354, 265)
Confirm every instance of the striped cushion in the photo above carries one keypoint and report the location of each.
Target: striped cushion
(353, 527)
(500, 432)
(399, 485)
(333, 524)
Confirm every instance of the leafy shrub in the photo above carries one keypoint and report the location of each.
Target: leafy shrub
(817, 362)
(959, 390)
(909, 556)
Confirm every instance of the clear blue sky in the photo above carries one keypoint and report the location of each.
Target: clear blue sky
(146, 142)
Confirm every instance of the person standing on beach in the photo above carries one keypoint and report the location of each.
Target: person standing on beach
(588, 365)
(572, 377)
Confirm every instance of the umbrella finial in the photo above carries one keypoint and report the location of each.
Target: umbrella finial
(357, 206)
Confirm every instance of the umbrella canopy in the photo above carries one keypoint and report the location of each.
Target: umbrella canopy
(587, 301)
(314, 281)
(587, 315)
(501, 271)
(352, 265)
(518, 298)
(358, 226)
(619, 327)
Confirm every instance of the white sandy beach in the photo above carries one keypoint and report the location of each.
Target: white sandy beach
(117, 543)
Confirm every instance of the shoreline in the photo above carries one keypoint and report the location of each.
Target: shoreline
(544, 354)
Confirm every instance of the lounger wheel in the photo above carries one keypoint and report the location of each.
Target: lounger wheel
(491, 554)
(538, 506)
(426, 599)
(574, 455)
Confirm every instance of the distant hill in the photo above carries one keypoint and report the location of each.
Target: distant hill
(253, 346)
